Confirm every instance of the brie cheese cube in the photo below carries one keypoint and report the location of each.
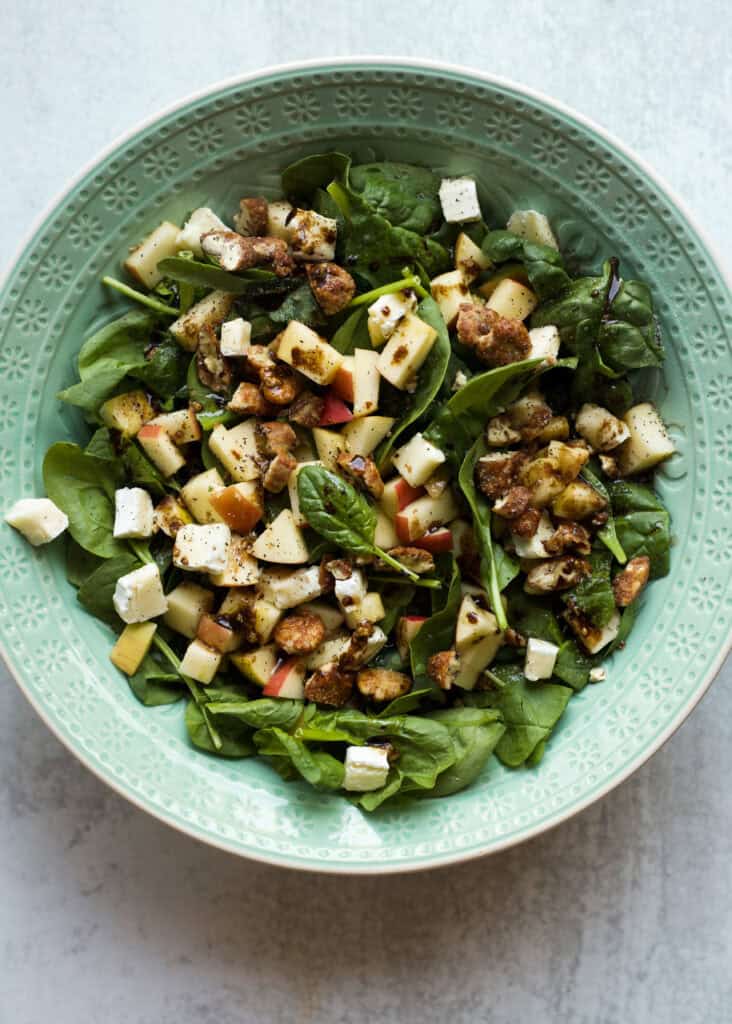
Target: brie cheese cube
(417, 460)
(533, 226)
(385, 314)
(200, 221)
(200, 662)
(540, 659)
(533, 547)
(367, 768)
(312, 236)
(350, 592)
(287, 588)
(38, 519)
(202, 548)
(138, 596)
(236, 336)
(459, 200)
(545, 342)
(602, 637)
(133, 513)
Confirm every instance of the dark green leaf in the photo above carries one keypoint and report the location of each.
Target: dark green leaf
(407, 196)
(154, 685)
(95, 593)
(320, 769)
(642, 524)
(607, 533)
(260, 713)
(544, 265)
(593, 595)
(79, 563)
(475, 733)
(437, 633)
(141, 472)
(353, 333)
(336, 510)
(236, 738)
(206, 275)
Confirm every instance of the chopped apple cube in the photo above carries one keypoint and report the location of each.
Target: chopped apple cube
(407, 628)
(361, 436)
(169, 515)
(475, 659)
(416, 519)
(287, 681)
(240, 505)
(278, 219)
(143, 261)
(257, 666)
(200, 662)
(186, 604)
(127, 412)
(236, 336)
(533, 226)
(343, 384)
(39, 520)
(406, 350)
(648, 443)
(181, 426)
(236, 449)
(449, 291)
(197, 495)
(331, 618)
(366, 382)
(132, 646)
(330, 650)
(209, 312)
(385, 313)
(335, 411)
(241, 569)
(312, 236)
(469, 257)
(417, 460)
(513, 300)
(474, 623)
(160, 449)
(397, 495)
(598, 425)
(219, 635)
(200, 222)
(385, 535)
(282, 541)
(304, 350)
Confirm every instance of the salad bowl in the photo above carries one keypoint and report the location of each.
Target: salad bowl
(524, 151)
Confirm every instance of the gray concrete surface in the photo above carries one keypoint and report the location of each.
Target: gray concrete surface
(622, 916)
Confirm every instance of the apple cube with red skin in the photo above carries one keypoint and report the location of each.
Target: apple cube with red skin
(398, 494)
(287, 680)
(159, 448)
(239, 505)
(421, 515)
(334, 411)
(435, 541)
(342, 383)
(218, 635)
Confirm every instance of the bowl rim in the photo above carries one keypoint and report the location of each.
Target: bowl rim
(406, 63)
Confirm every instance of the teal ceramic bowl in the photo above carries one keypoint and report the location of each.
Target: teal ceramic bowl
(524, 151)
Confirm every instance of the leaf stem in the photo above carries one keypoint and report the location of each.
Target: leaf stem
(144, 300)
(388, 560)
(410, 281)
(428, 584)
(164, 647)
(418, 287)
(340, 197)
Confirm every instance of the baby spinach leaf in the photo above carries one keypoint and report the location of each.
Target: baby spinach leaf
(532, 616)
(642, 524)
(593, 595)
(302, 178)
(235, 737)
(95, 593)
(83, 487)
(584, 299)
(544, 265)
(164, 368)
(407, 196)
(79, 562)
(261, 713)
(573, 665)
(141, 472)
(429, 380)
(607, 533)
(300, 305)
(213, 278)
(353, 333)
(154, 685)
(320, 769)
(475, 733)
(101, 446)
(628, 337)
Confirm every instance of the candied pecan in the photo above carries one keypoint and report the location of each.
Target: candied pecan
(240, 252)
(496, 473)
(332, 286)
(500, 432)
(629, 582)
(609, 466)
(569, 537)
(382, 684)
(443, 668)
(258, 358)
(325, 577)
(362, 470)
(252, 217)
(416, 559)
(280, 386)
(278, 472)
(513, 503)
(512, 638)
(527, 523)
(275, 437)
(339, 568)
(248, 400)
(214, 371)
(306, 410)
(556, 574)
(495, 339)
(299, 633)
(330, 685)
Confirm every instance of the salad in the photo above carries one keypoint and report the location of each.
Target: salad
(366, 482)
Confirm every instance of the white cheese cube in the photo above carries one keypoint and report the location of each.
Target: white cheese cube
(459, 200)
(545, 342)
(236, 336)
(38, 519)
(417, 460)
(133, 513)
(312, 236)
(200, 221)
(367, 768)
(533, 226)
(350, 592)
(598, 675)
(138, 596)
(200, 662)
(385, 314)
(600, 638)
(533, 547)
(287, 588)
(202, 548)
(540, 659)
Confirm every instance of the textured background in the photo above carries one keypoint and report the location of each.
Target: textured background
(623, 915)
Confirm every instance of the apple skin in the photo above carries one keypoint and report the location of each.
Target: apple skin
(335, 410)
(342, 384)
(287, 680)
(435, 541)
(236, 510)
(398, 494)
(214, 634)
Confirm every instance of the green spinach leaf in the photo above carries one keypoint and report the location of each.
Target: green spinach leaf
(475, 733)
(438, 632)
(642, 524)
(607, 533)
(320, 769)
(213, 278)
(154, 685)
(235, 736)
(406, 195)
(95, 593)
(593, 595)
(544, 265)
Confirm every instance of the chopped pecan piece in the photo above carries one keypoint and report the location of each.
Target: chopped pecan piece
(628, 583)
(257, 359)
(252, 217)
(238, 252)
(512, 638)
(278, 472)
(306, 410)
(416, 559)
(332, 286)
(339, 568)
(443, 668)
(527, 523)
(214, 371)
(499, 432)
(300, 633)
(280, 386)
(609, 466)
(330, 685)
(275, 437)
(249, 401)
(362, 470)
(513, 503)
(569, 537)
(497, 473)
(382, 684)
(556, 574)
(496, 340)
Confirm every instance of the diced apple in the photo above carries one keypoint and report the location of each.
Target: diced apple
(416, 519)
(475, 660)
(236, 449)
(367, 381)
(170, 515)
(331, 617)
(200, 662)
(474, 623)
(463, 538)
(362, 436)
(469, 257)
(282, 541)
(417, 460)
(385, 535)
(533, 226)
(406, 350)
(286, 588)
(598, 425)
(160, 449)
(449, 291)
(209, 312)
(241, 568)
(186, 604)
(258, 665)
(313, 236)
(334, 411)
(649, 442)
(578, 501)
(287, 681)
(435, 541)
(197, 494)
(329, 650)
(328, 445)
(533, 546)
(513, 300)
(407, 628)
(240, 505)
(127, 412)
(300, 519)
(143, 261)
(514, 271)
(181, 426)
(342, 384)
(304, 350)
(200, 221)
(398, 494)
(236, 336)
(218, 635)
(132, 646)
(266, 616)
(371, 609)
